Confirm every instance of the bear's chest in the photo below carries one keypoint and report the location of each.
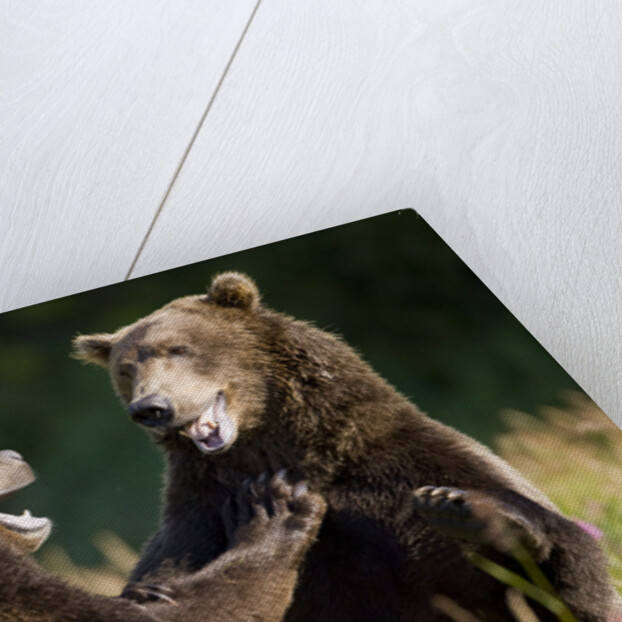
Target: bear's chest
(361, 570)
(353, 572)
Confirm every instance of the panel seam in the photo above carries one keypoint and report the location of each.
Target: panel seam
(196, 133)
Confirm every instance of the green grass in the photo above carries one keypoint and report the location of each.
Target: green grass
(574, 455)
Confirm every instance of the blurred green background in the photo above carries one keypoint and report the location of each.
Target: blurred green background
(389, 285)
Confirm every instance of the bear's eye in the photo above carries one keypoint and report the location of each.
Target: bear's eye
(179, 351)
(126, 372)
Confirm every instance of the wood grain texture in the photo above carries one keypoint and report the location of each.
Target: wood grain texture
(499, 122)
(98, 102)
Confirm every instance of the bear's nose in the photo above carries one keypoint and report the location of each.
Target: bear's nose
(152, 411)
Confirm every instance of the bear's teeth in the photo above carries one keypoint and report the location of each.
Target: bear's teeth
(213, 429)
(204, 424)
(202, 427)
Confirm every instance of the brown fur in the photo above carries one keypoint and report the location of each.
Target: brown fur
(271, 526)
(299, 397)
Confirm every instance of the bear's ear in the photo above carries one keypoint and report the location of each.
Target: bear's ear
(93, 348)
(232, 289)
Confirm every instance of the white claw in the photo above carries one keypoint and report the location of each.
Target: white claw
(300, 489)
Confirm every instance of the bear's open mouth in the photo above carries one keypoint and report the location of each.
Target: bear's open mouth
(213, 430)
(29, 532)
(26, 524)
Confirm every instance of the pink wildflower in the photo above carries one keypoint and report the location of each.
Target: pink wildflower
(593, 530)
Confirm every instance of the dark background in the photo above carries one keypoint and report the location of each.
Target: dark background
(389, 285)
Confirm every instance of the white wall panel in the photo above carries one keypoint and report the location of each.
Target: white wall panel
(499, 121)
(98, 102)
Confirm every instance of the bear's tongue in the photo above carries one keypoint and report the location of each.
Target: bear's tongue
(213, 429)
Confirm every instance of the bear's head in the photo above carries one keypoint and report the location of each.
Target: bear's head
(195, 367)
(210, 369)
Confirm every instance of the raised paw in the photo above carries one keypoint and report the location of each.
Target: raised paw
(480, 517)
(148, 592)
(290, 502)
(281, 515)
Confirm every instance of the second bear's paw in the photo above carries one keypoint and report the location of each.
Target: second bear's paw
(293, 506)
(272, 512)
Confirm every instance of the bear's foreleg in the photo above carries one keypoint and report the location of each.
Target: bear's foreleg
(508, 523)
(271, 525)
(30, 594)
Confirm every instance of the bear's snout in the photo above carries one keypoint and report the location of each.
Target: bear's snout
(152, 411)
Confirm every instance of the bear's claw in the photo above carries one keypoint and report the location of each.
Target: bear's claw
(448, 510)
(149, 592)
(272, 510)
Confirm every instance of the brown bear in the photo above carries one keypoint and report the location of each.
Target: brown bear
(272, 524)
(229, 388)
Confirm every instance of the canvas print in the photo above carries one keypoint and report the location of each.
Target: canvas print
(346, 426)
